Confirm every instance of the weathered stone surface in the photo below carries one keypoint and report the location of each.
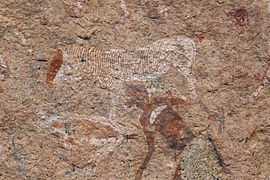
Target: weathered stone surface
(134, 89)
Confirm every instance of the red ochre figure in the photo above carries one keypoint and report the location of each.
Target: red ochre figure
(167, 122)
(54, 67)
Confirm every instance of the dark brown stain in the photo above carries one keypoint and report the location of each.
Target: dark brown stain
(240, 15)
(168, 123)
(54, 67)
(200, 36)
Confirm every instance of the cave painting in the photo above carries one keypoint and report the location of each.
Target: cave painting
(114, 67)
(115, 70)
(159, 116)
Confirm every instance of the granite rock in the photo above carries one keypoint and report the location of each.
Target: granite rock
(134, 89)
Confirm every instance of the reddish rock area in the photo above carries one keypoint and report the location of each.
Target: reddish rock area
(201, 112)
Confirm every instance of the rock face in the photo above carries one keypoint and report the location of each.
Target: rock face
(141, 89)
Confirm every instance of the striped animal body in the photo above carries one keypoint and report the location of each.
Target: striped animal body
(113, 67)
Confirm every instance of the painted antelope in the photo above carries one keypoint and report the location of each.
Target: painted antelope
(112, 68)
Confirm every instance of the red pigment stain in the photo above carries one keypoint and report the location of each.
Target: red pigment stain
(54, 67)
(200, 35)
(240, 15)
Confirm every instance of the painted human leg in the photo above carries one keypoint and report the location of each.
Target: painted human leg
(149, 135)
(151, 149)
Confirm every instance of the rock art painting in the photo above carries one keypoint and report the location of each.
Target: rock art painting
(115, 66)
(112, 68)
(116, 70)
(240, 16)
(134, 89)
(159, 116)
(86, 140)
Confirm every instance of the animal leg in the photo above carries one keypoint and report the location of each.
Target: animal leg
(112, 113)
(115, 88)
(115, 95)
(151, 149)
(191, 80)
(177, 172)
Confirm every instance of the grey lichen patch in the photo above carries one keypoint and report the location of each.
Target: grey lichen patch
(199, 161)
(3, 68)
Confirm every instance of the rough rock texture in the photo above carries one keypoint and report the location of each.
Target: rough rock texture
(152, 89)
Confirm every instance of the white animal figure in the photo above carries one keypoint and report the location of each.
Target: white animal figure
(113, 67)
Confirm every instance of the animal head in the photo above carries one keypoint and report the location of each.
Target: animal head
(180, 51)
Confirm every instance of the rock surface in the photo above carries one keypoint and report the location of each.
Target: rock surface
(134, 89)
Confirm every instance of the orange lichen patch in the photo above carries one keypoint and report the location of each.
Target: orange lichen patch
(57, 125)
(90, 128)
(54, 66)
